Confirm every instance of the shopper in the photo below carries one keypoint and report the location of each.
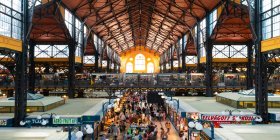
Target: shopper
(115, 130)
(168, 126)
(145, 136)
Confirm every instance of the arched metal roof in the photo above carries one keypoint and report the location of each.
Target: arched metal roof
(233, 25)
(48, 25)
(155, 24)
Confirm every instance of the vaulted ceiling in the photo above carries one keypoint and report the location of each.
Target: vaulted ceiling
(155, 24)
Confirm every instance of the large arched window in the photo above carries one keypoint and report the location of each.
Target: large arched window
(139, 62)
(150, 67)
(129, 67)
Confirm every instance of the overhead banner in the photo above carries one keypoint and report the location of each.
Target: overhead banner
(246, 118)
(226, 119)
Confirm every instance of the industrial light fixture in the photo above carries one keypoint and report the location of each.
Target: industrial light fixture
(196, 125)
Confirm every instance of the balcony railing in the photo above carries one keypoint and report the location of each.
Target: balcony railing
(195, 81)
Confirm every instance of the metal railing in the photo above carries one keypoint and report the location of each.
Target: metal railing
(174, 80)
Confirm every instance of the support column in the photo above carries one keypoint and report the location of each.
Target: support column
(199, 69)
(20, 87)
(84, 43)
(47, 68)
(261, 87)
(115, 67)
(209, 69)
(71, 69)
(119, 68)
(108, 65)
(261, 69)
(21, 72)
(71, 61)
(164, 67)
(31, 79)
(96, 62)
(171, 61)
(234, 70)
(249, 72)
(183, 55)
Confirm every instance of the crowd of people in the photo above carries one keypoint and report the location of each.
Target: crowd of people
(138, 120)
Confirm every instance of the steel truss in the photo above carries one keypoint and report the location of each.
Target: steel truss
(156, 24)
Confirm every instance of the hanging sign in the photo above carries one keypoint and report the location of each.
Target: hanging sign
(65, 121)
(228, 118)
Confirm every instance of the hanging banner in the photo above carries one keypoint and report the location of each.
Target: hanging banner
(226, 119)
(246, 118)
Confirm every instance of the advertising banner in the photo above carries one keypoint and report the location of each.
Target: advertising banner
(6, 122)
(36, 122)
(226, 119)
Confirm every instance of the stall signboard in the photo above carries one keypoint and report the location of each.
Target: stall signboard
(3, 122)
(65, 121)
(275, 117)
(90, 119)
(193, 115)
(6, 122)
(36, 122)
(226, 119)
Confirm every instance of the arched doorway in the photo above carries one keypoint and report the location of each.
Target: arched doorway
(150, 67)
